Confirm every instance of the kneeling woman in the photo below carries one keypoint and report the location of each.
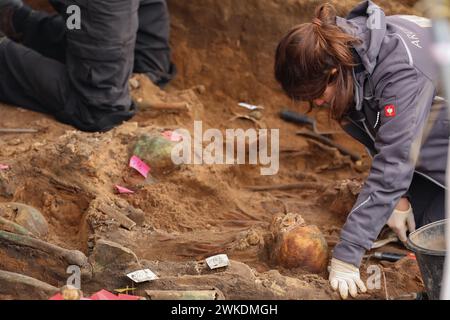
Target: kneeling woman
(376, 75)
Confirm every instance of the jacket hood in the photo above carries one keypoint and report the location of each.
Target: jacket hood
(367, 21)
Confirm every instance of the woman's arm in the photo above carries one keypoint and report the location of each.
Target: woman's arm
(406, 99)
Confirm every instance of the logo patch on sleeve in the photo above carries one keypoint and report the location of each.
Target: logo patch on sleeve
(389, 111)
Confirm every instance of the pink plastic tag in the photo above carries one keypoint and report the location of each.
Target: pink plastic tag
(4, 167)
(128, 297)
(104, 295)
(172, 136)
(57, 297)
(123, 190)
(140, 166)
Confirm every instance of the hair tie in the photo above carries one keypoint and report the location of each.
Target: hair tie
(317, 22)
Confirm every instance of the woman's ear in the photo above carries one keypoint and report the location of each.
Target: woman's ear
(334, 71)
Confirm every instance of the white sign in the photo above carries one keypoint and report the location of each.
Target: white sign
(219, 261)
(142, 276)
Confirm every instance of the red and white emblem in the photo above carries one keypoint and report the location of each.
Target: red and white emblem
(389, 111)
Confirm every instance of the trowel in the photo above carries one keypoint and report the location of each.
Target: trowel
(302, 119)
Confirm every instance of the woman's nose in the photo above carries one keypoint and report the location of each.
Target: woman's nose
(319, 102)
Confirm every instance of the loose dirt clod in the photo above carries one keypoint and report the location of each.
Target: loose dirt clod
(26, 287)
(111, 255)
(72, 257)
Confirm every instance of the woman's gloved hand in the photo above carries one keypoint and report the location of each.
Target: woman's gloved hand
(346, 278)
(402, 221)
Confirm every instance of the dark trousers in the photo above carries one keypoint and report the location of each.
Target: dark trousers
(81, 76)
(427, 200)
(47, 33)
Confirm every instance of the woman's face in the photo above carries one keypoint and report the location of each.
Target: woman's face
(327, 96)
(329, 93)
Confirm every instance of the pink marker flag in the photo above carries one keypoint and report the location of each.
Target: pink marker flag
(4, 167)
(128, 297)
(172, 136)
(123, 190)
(140, 166)
(57, 297)
(104, 295)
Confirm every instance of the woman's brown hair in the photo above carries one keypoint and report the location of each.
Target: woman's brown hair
(306, 56)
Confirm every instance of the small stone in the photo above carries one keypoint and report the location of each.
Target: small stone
(108, 254)
(134, 83)
(37, 145)
(200, 89)
(15, 142)
(71, 147)
(137, 215)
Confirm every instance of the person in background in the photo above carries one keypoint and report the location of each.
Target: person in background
(80, 76)
(376, 74)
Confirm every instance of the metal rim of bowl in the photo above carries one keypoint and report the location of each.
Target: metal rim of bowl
(416, 248)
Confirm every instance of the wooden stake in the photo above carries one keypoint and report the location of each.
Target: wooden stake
(17, 130)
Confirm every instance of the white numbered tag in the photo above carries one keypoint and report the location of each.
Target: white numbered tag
(250, 106)
(218, 261)
(142, 276)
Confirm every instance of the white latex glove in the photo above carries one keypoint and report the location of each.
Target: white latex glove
(346, 278)
(402, 221)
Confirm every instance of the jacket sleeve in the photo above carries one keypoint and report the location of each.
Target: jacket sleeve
(397, 143)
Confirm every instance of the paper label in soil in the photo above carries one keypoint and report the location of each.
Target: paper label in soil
(218, 261)
(142, 276)
(140, 166)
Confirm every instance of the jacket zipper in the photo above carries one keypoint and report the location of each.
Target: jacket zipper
(378, 120)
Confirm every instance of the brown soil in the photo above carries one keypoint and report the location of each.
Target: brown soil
(224, 52)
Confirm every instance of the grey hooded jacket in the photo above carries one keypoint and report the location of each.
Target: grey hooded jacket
(398, 115)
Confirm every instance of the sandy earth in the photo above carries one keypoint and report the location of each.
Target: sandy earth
(224, 52)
